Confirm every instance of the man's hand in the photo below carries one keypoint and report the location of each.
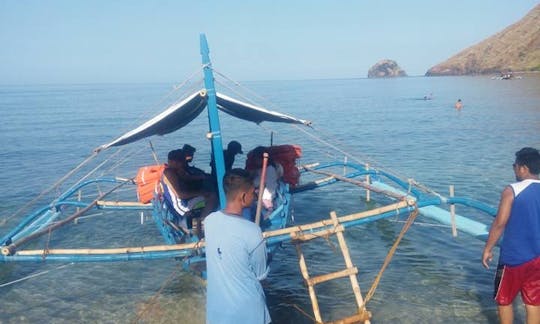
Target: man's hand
(487, 256)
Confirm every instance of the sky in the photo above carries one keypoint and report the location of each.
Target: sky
(122, 41)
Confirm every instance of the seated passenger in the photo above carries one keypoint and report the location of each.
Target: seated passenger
(184, 189)
(233, 148)
(273, 174)
(189, 152)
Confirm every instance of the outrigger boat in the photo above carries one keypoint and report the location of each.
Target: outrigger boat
(182, 243)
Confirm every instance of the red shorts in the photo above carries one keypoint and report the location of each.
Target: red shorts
(524, 278)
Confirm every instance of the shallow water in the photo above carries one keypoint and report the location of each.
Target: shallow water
(433, 278)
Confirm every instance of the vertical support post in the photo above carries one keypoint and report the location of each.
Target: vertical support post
(453, 213)
(345, 165)
(79, 197)
(311, 288)
(262, 182)
(348, 263)
(142, 218)
(368, 181)
(213, 118)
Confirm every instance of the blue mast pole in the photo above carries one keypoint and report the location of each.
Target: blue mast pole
(213, 118)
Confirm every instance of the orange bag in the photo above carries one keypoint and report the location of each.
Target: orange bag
(147, 180)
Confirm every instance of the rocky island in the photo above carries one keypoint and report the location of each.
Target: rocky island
(516, 48)
(386, 69)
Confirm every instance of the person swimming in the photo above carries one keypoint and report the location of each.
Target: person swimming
(459, 104)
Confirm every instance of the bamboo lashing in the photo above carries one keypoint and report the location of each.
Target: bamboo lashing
(262, 182)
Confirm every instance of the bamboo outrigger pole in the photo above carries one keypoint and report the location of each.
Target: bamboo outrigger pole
(317, 228)
(358, 183)
(10, 249)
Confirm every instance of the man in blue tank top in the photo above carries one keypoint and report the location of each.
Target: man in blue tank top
(235, 258)
(518, 221)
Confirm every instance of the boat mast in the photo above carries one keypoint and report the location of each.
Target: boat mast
(213, 118)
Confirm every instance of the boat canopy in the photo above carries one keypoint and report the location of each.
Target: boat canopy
(182, 113)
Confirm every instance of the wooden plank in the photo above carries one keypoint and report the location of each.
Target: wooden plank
(334, 275)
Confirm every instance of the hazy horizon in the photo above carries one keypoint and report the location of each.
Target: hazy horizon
(64, 42)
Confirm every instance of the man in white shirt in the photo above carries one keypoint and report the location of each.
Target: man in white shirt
(235, 258)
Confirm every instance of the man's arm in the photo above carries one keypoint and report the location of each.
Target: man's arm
(258, 258)
(171, 180)
(497, 228)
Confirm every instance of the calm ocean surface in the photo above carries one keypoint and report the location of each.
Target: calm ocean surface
(433, 278)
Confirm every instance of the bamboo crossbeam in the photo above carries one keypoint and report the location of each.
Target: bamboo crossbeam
(301, 236)
(342, 219)
(359, 183)
(357, 318)
(127, 250)
(331, 276)
(121, 203)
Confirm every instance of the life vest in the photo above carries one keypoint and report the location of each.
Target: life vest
(147, 181)
(286, 156)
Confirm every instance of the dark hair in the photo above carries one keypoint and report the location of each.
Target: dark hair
(236, 180)
(530, 157)
(258, 153)
(188, 150)
(176, 155)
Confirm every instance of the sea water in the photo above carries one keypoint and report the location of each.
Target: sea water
(47, 130)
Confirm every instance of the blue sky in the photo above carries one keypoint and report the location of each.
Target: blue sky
(157, 41)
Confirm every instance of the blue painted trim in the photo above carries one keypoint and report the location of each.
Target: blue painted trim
(213, 118)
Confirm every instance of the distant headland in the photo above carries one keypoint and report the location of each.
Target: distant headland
(516, 48)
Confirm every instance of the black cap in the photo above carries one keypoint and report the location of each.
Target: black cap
(188, 149)
(235, 147)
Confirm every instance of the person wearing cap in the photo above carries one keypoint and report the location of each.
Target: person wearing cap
(186, 186)
(233, 148)
(189, 152)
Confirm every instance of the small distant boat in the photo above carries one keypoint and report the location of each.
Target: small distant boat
(506, 76)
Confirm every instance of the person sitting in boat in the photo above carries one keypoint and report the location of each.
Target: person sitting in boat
(273, 173)
(229, 154)
(184, 190)
(189, 152)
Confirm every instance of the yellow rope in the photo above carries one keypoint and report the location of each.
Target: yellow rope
(406, 226)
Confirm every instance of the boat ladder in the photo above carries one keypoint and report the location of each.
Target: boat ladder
(351, 271)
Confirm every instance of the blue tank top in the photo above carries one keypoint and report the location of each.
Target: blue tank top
(521, 240)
